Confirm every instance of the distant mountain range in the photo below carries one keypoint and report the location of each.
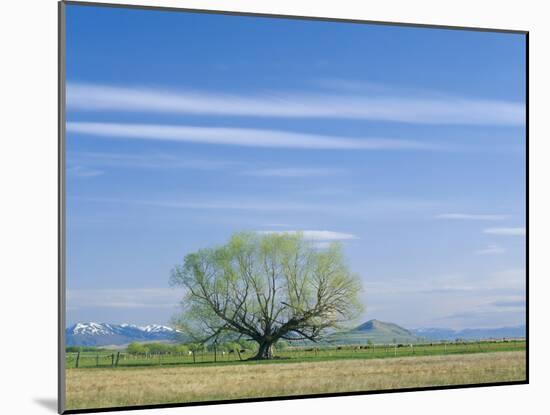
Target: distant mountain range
(103, 334)
(373, 331)
(470, 334)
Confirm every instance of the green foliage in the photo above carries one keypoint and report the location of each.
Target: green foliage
(265, 288)
(137, 348)
(196, 347)
(76, 349)
(180, 348)
(232, 346)
(282, 345)
(157, 348)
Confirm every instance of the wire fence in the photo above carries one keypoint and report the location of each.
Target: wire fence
(113, 359)
(118, 358)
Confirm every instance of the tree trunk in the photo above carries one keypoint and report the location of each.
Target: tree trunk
(265, 351)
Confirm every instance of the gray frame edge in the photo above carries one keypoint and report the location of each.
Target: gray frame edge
(288, 16)
(61, 283)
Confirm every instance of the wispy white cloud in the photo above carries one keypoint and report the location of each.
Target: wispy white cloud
(494, 283)
(147, 161)
(83, 171)
(505, 231)
(469, 216)
(242, 204)
(370, 207)
(83, 160)
(487, 318)
(491, 250)
(247, 137)
(316, 235)
(407, 108)
(513, 278)
(277, 225)
(439, 300)
(513, 302)
(292, 172)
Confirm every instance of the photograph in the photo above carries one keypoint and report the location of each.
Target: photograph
(261, 207)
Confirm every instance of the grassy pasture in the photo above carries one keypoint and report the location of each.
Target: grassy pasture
(102, 387)
(291, 355)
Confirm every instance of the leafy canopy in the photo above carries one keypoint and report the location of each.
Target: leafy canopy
(265, 288)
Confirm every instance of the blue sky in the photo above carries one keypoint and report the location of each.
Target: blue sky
(405, 144)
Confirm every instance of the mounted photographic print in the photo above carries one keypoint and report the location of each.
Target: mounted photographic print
(259, 207)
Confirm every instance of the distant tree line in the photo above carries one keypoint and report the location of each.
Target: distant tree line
(164, 348)
(76, 349)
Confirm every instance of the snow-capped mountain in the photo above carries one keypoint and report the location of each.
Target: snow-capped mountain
(157, 328)
(102, 334)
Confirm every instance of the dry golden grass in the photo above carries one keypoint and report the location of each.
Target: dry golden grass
(96, 388)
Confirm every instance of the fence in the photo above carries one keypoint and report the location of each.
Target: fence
(124, 359)
(118, 358)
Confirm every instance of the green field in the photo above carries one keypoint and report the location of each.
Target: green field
(117, 359)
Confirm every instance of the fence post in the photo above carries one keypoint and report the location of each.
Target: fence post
(97, 360)
(395, 350)
(113, 359)
(117, 357)
(77, 359)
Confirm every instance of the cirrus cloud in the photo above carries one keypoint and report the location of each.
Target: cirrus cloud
(470, 216)
(245, 137)
(491, 250)
(519, 231)
(395, 107)
(316, 235)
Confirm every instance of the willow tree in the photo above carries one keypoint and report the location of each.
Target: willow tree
(265, 288)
